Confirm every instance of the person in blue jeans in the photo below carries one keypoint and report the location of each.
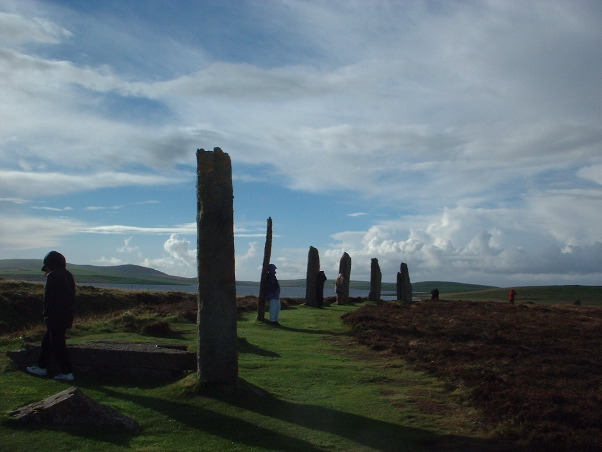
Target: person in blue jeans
(272, 287)
(58, 312)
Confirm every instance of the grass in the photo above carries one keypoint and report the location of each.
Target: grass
(319, 391)
(307, 385)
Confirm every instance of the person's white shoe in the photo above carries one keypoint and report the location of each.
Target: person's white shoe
(39, 371)
(65, 377)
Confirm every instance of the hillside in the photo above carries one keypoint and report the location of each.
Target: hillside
(29, 270)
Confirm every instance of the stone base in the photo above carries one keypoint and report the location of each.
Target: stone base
(114, 359)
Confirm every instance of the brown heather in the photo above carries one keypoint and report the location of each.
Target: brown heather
(534, 371)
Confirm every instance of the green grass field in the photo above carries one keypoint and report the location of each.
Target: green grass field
(323, 392)
(307, 385)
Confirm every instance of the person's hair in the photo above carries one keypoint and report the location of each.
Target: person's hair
(54, 260)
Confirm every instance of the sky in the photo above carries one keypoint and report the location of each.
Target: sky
(463, 138)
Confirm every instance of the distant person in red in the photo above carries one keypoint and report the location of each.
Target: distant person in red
(58, 312)
(512, 296)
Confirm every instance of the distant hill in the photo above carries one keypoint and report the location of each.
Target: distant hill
(29, 270)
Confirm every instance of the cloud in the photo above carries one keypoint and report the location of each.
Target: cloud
(484, 246)
(593, 173)
(16, 29)
(247, 262)
(474, 125)
(19, 231)
(179, 250)
(127, 229)
(179, 260)
(26, 184)
(109, 261)
(128, 248)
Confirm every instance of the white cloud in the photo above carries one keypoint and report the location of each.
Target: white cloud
(466, 245)
(179, 250)
(17, 29)
(109, 261)
(128, 247)
(26, 184)
(19, 231)
(477, 124)
(247, 263)
(593, 173)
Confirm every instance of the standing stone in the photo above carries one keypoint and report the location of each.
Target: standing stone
(267, 255)
(320, 280)
(345, 270)
(313, 267)
(404, 286)
(376, 277)
(217, 315)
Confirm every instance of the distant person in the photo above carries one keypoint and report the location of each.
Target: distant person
(58, 312)
(512, 296)
(320, 280)
(435, 294)
(339, 286)
(272, 289)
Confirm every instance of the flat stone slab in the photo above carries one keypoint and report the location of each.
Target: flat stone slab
(117, 359)
(72, 407)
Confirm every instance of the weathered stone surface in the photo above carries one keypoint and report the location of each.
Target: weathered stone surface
(404, 286)
(376, 277)
(267, 255)
(320, 280)
(345, 270)
(217, 313)
(115, 359)
(313, 267)
(72, 407)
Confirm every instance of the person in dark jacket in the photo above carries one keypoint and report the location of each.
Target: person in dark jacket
(272, 293)
(58, 312)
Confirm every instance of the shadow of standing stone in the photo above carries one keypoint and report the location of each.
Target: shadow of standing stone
(72, 407)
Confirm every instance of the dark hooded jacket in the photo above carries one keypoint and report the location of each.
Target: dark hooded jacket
(272, 285)
(59, 293)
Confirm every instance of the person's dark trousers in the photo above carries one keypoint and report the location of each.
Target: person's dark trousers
(54, 342)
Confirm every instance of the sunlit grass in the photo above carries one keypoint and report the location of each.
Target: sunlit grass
(304, 386)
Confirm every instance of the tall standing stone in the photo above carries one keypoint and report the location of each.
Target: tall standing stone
(404, 286)
(345, 270)
(313, 267)
(267, 255)
(217, 315)
(376, 277)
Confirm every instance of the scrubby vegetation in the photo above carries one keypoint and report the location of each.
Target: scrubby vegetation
(534, 371)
